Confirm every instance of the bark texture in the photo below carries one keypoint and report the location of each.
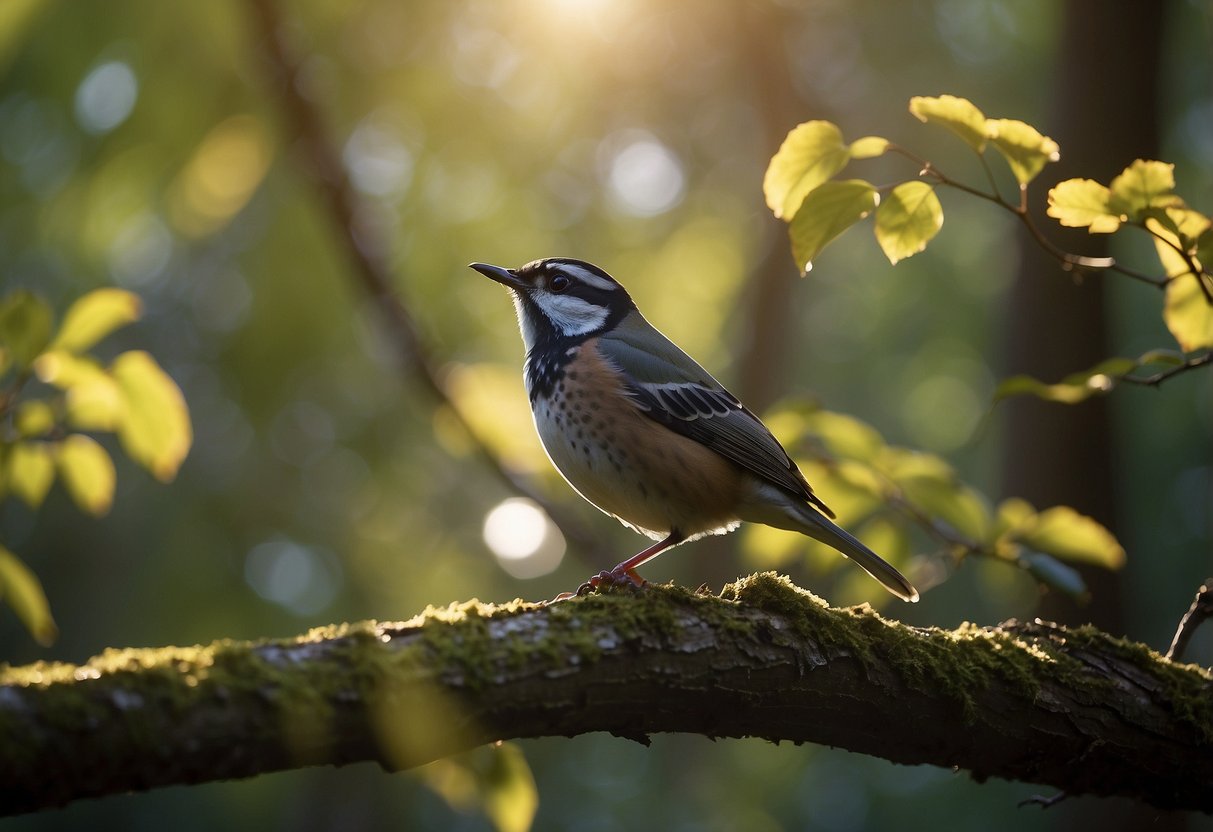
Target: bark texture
(1071, 708)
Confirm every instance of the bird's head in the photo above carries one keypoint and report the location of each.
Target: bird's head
(560, 298)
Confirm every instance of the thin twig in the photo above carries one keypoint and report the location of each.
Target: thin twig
(1069, 260)
(1161, 376)
(320, 163)
(1200, 611)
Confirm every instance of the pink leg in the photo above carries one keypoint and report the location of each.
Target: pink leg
(625, 572)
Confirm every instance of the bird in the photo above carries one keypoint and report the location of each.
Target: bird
(644, 433)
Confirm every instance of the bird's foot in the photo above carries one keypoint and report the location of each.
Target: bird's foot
(614, 579)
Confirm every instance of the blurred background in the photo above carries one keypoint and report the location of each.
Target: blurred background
(142, 145)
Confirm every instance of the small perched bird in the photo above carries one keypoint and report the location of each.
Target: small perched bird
(644, 433)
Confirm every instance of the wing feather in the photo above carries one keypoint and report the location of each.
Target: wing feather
(671, 388)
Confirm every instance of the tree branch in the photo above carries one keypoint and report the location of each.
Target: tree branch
(1073, 709)
(320, 164)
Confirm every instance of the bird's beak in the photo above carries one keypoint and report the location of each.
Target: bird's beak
(506, 277)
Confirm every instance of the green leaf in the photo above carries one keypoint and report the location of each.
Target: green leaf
(155, 430)
(812, 153)
(1144, 185)
(931, 485)
(959, 115)
(20, 587)
(907, 219)
(1012, 516)
(844, 437)
(1084, 203)
(33, 418)
(30, 471)
(25, 326)
(510, 796)
(1063, 532)
(1023, 146)
(869, 147)
(1054, 574)
(826, 212)
(1077, 387)
(88, 473)
(94, 316)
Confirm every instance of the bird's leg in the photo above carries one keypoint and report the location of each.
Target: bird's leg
(624, 574)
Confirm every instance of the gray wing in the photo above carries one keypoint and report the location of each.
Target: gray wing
(671, 388)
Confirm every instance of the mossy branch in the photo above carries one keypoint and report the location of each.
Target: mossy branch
(1071, 708)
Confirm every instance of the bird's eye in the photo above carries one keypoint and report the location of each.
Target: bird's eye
(559, 283)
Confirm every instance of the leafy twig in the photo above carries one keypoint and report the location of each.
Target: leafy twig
(1069, 260)
(1161, 376)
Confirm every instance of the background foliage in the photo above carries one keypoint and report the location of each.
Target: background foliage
(141, 148)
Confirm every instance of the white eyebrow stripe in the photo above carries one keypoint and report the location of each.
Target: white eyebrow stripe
(570, 315)
(588, 277)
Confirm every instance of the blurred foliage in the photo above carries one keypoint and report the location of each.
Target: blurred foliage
(140, 148)
(50, 387)
(904, 501)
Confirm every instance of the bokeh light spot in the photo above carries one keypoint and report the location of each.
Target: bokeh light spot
(293, 576)
(643, 176)
(106, 97)
(525, 542)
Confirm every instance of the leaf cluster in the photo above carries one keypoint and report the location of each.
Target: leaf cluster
(896, 494)
(53, 394)
(801, 188)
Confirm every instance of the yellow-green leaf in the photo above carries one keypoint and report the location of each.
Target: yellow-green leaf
(33, 418)
(812, 153)
(1188, 313)
(1012, 516)
(94, 316)
(907, 219)
(155, 430)
(25, 326)
(826, 212)
(1064, 533)
(869, 147)
(1084, 203)
(95, 404)
(1145, 184)
(931, 485)
(30, 471)
(63, 369)
(20, 587)
(1023, 146)
(510, 795)
(88, 473)
(1077, 387)
(845, 437)
(959, 115)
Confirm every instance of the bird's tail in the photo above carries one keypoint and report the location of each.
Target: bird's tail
(820, 528)
(785, 512)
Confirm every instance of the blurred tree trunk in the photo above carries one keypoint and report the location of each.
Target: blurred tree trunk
(1104, 115)
(760, 374)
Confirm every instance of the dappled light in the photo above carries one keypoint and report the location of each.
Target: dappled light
(248, 385)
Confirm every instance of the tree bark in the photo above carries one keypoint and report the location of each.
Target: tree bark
(1071, 708)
